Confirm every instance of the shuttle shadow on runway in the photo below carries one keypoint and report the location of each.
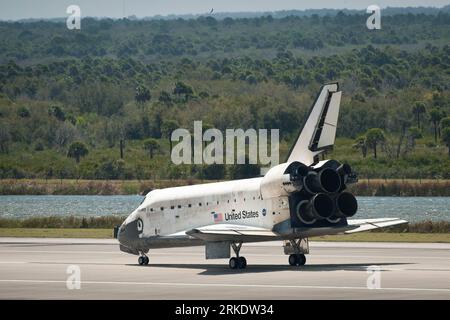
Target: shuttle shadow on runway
(221, 269)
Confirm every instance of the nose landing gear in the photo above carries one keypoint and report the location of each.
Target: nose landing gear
(143, 260)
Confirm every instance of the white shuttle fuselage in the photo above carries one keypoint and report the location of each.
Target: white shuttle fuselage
(174, 210)
(294, 200)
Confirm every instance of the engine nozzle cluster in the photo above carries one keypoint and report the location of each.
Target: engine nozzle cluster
(320, 192)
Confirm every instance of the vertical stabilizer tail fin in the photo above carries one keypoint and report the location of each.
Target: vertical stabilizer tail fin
(319, 131)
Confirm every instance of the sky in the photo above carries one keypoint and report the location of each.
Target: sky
(23, 9)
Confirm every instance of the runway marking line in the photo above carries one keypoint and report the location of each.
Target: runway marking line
(229, 285)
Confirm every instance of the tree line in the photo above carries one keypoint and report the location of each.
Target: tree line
(101, 114)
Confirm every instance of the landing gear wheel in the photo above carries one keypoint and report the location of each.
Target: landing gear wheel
(293, 260)
(237, 262)
(301, 259)
(297, 259)
(242, 263)
(233, 263)
(143, 260)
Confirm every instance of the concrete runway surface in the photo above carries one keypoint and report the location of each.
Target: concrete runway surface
(37, 269)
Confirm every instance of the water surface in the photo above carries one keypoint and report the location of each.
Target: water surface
(408, 208)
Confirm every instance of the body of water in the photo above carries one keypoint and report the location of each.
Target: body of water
(408, 208)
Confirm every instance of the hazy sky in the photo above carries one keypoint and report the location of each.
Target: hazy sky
(19, 9)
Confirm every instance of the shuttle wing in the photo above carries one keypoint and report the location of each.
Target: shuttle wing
(230, 232)
(239, 233)
(370, 224)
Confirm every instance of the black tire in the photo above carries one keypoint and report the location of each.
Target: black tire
(233, 263)
(293, 260)
(301, 259)
(141, 260)
(242, 262)
(147, 260)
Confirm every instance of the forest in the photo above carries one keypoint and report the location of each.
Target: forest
(102, 102)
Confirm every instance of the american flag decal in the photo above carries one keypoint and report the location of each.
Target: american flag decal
(218, 217)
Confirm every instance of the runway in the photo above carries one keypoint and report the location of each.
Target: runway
(38, 269)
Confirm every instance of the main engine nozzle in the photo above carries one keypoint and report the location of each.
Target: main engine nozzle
(300, 171)
(319, 207)
(326, 180)
(344, 169)
(346, 205)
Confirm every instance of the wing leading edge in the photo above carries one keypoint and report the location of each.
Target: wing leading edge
(371, 224)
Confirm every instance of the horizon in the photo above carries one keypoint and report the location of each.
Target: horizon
(117, 9)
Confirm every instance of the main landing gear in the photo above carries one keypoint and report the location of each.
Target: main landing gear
(296, 250)
(143, 260)
(237, 262)
(297, 259)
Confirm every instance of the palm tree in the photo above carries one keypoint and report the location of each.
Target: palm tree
(360, 143)
(436, 116)
(151, 145)
(418, 109)
(183, 89)
(77, 150)
(374, 137)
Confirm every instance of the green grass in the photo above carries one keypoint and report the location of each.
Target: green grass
(56, 233)
(59, 222)
(108, 234)
(86, 187)
(387, 237)
(365, 187)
